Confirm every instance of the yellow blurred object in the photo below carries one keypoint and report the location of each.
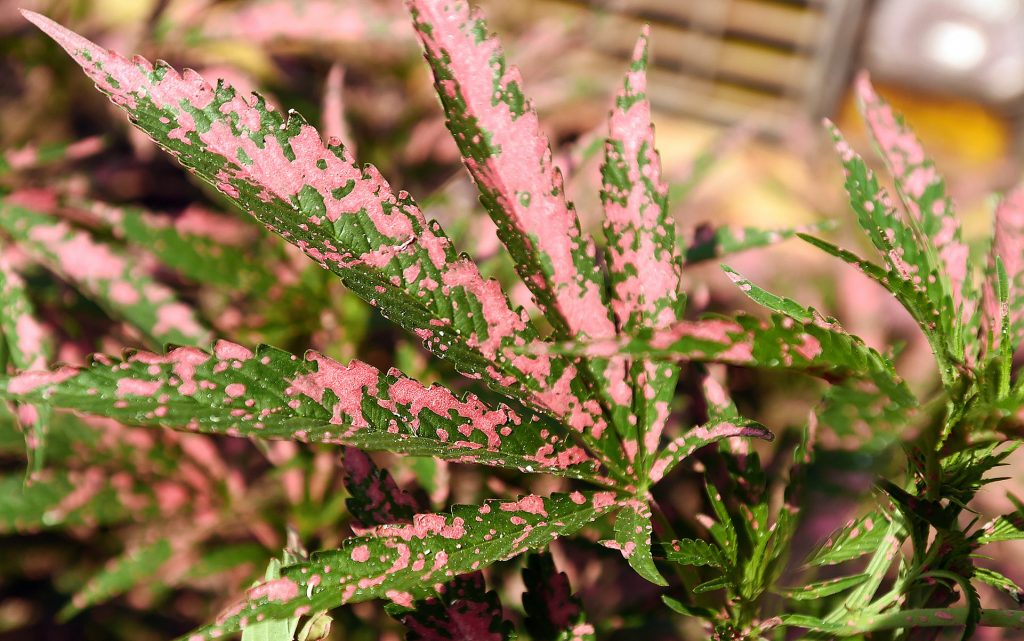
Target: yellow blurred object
(251, 59)
(119, 13)
(964, 132)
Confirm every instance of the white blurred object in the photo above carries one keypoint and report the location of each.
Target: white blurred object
(973, 48)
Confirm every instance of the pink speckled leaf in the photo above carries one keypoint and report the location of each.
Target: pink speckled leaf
(912, 270)
(633, 538)
(272, 394)
(463, 609)
(401, 562)
(499, 135)
(345, 217)
(27, 344)
(33, 157)
(698, 437)
(111, 277)
(644, 263)
(553, 613)
(375, 497)
(817, 347)
(923, 193)
(1007, 246)
(200, 244)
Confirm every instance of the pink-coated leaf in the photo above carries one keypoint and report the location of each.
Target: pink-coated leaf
(644, 263)
(272, 394)
(1008, 246)
(345, 217)
(304, 21)
(698, 437)
(922, 190)
(111, 277)
(633, 532)
(499, 135)
(401, 562)
(28, 345)
(35, 156)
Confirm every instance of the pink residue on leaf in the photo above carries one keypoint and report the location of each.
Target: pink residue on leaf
(635, 226)
(347, 383)
(136, 387)
(277, 590)
(225, 350)
(1008, 246)
(531, 504)
(440, 401)
(424, 525)
(29, 382)
(234, 390)
(360, 554)
(518, 172)
(176, 317)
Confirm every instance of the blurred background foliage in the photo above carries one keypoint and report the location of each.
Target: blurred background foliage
(738, 87)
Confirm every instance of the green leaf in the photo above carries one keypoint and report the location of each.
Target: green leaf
(819, 348)
(553, 613)
(399, 561)
(822, 589)
(136, 565)
(923, 192)
(716, 242)
(28, 345)
(112, 278)
(695, 552)
(35, 156)
(58, 498)
(775, 303)
(273, 394)
(684, 446)
(633, 538)
(272, 629)
(720, 583)
(200, 244)
(855, 539)
(1007, 248)
(908, 259)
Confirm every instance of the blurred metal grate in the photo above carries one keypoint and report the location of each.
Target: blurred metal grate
(730, 60)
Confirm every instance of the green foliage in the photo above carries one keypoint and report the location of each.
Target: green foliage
(595, 403)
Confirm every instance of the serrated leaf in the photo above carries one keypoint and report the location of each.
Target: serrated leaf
(464, 609)
(922, 190)
(908, 260)
(644, 264)
(28, 345)
(822, 589)
(276, 395)
(684, 446)
(104, 273)
(499, 136)
(860, 536)
(57, 498)
(343, 216)
(695, 552)
(272, 629)
(1008, 247)
(200, 244)
(135, 566)
(633, 538)
(1009, 527)
(718, 583)
(376, 498)
(553, 613)
(715, 242)
(1000, 582)
(398, 561)
(819, 348)
(35, 156)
